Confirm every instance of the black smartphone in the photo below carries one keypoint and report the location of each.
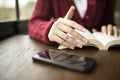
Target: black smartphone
(66, 60)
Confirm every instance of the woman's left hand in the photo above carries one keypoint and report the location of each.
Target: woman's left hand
(109, 30)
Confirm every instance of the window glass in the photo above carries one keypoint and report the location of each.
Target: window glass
(26, 8)
(117, 13)
(7, 10)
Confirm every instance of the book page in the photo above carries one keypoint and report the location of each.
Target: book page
(105, 39)
(92, 41)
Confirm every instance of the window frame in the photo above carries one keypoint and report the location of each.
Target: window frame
(10, 28)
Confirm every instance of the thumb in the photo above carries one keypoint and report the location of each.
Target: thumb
(70, 13)
(94, 30)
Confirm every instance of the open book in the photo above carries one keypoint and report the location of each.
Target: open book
(98, 39)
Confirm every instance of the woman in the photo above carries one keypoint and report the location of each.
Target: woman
(48, 23)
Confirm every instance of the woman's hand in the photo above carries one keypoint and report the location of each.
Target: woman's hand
(61, 28)
(109, 30)
(64, 26)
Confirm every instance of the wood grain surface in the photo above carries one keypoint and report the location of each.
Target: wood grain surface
(16, 62)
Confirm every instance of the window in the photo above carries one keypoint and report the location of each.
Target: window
(26, 8)
(14, 15)
(7, 10)
(117, 13)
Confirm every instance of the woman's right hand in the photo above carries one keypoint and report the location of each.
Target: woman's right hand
(64, 26)
(60, 30)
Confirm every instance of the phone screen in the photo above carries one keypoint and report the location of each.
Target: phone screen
(71, 61)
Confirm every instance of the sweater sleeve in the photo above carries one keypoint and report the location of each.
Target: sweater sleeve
(41, 22)
(109, 12)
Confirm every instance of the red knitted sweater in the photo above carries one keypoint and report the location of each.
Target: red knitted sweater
(99, 12)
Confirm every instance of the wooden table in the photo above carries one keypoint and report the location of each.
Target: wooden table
(16, 62)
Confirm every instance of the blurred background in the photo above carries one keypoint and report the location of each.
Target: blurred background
(117, 13)
(14, 15)
(7, 10)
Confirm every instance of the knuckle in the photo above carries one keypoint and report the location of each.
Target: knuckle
(52, 31)
(55, 23)
(72, 23)
(58, 22)
(65, 37)
(75, 33)
(71, 30)
(60, 19)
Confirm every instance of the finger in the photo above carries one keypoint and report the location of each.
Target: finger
(61, 41)
(104, 29)
(94, 30)
(115, 30)
(69, 16)
(70, 13)
(109, 29)
(66, 38)
(80, 43)
(71, 31)
(73, 24)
